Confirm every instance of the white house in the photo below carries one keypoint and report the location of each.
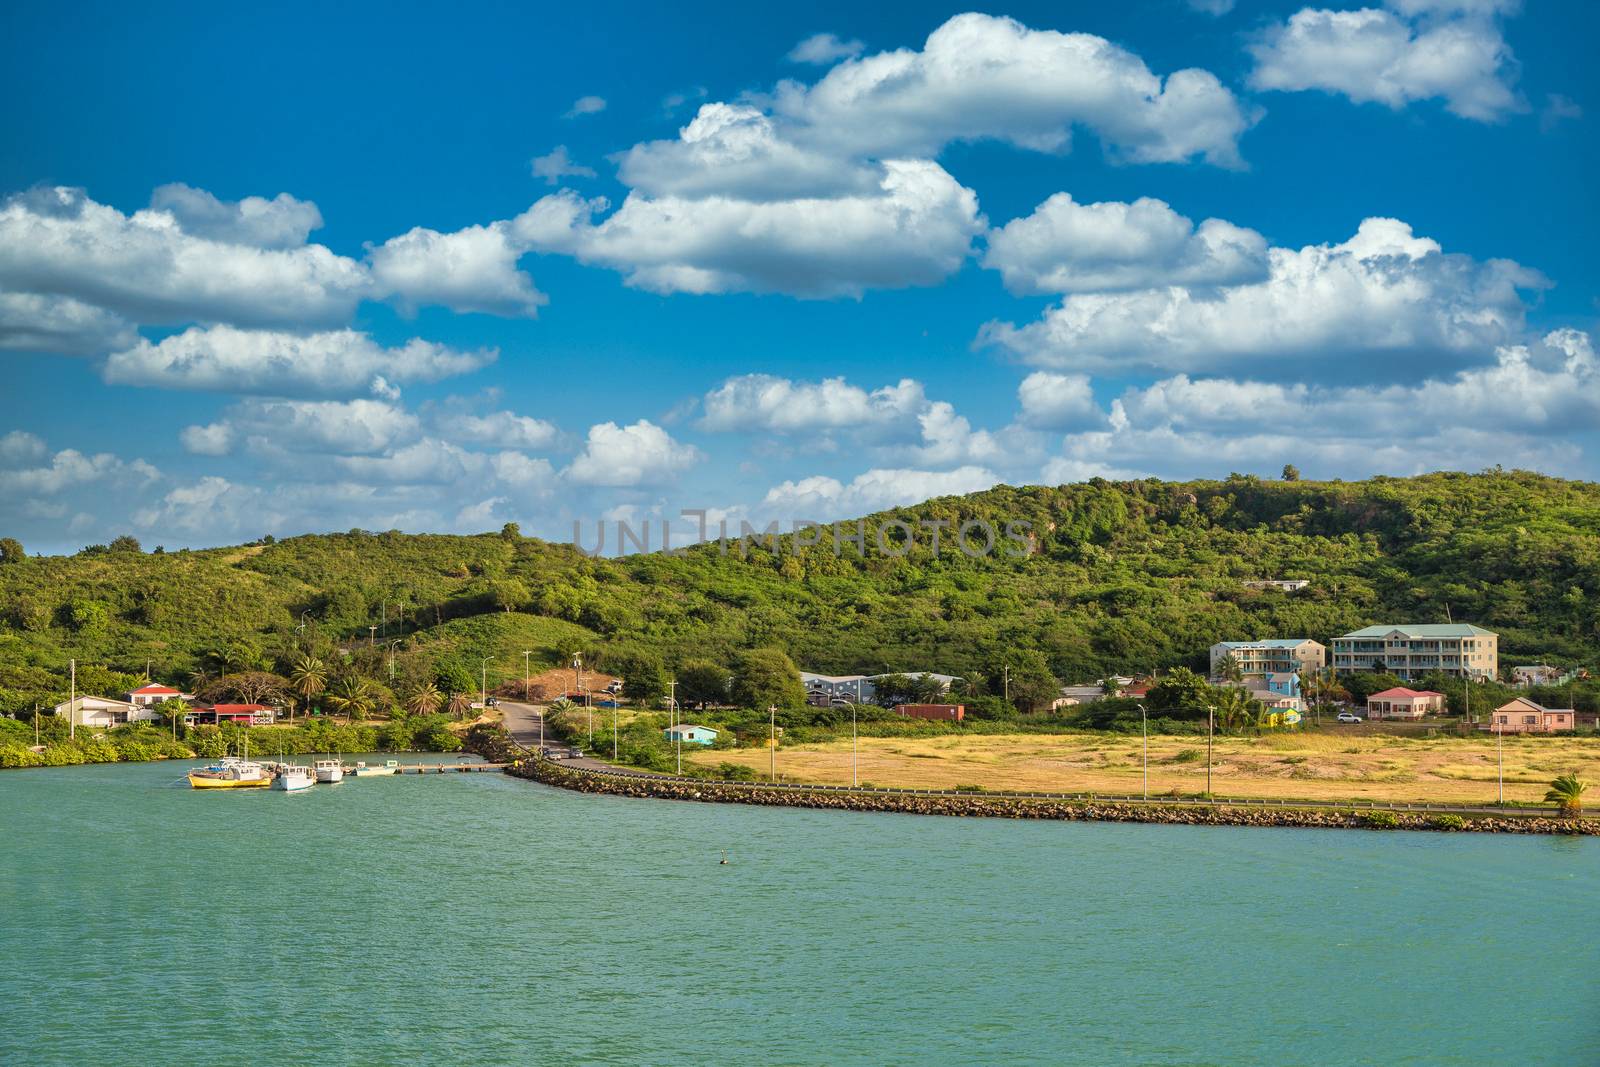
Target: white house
(102, 712)
(149, 695)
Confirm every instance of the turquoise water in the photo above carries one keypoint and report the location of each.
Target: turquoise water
(480, 919)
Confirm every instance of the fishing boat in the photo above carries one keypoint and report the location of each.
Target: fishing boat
(329, 771)
(372, 770)
(230, 773)
(293, 776)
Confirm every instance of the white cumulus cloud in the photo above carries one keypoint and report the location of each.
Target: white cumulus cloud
(557, 164)
(472, 269)
(335, 362)
(1065, 246)
(641, 454)
(282, 222)
(824, 48)
(1417, 50)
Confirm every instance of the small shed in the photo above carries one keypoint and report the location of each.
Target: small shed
(690, 734)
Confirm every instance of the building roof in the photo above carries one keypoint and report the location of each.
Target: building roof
(688, 727)
(1516, 702)
(1400, 692)
(1417, 630)
(153, 688)
(1271, 642)
(234, 709)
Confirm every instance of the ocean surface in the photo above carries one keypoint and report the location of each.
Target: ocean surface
(478, 919)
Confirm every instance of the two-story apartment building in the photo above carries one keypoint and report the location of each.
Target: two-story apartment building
(1258, 659)
(1410, 651)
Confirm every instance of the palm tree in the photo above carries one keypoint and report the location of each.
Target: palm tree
(352, 696)
(1236, 708)
(459, 705)
(1230, 669)
(426, 699)
(309, 676)
(1567, 791)
(174, 709)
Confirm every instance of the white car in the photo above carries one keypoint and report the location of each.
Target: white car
(1349, 716)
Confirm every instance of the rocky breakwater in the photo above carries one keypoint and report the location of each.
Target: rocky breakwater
(1004, 807)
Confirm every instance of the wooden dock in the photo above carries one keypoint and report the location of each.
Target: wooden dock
(445, 768)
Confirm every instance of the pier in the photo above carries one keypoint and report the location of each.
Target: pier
(442, 768)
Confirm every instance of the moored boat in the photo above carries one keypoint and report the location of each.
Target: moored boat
(230, 773)
(329, 771)
(366, 770)
(291, 777)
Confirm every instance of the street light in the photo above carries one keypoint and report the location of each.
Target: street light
(527, 680)
(1144, 720)
(855, 749)
(772, 738)
(1211, 725)
(483, 682)
(677, 733)
(1500, 753)
(616, 699)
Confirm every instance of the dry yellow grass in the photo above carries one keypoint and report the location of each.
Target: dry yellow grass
(1310, 766)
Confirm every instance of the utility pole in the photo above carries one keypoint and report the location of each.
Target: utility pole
(1500, 753)
(527, 678)
(1144, 719)
(616, 700)
(72, 704)
(855, 748)
(772, 737)
(483, 683)
(372, 636)
(1006, 674)
(383, 616)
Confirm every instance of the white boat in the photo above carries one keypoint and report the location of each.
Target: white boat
(330, 771)
(370, 770)
(291, 777)
(230, 773)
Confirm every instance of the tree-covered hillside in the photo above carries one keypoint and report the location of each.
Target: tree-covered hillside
(1120, 577)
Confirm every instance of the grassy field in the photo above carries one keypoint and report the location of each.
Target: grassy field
(1307, 766)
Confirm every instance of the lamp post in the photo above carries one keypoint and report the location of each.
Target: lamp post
(72, 704)
(677, 733)
(855, 748)
(616, 699)
(772, 738)
(1500, 755)
(1144, 720)
(483, 684)
(1211, 726)
(527, 679)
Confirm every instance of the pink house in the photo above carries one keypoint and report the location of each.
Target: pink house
(1523, 716)
(1403, 703)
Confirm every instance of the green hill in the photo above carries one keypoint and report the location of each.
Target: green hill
(1118, 577)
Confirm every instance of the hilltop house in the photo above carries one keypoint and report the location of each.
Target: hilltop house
(690, 734)
(240, 714)
(1411, 651)
(1403, 703)
(150, 695)
(103, 712)
(1281, 655)
(1523, 716)
(1284, 585)
(1538, 674)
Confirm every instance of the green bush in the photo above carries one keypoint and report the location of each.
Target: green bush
(1447, 822)
(1380, 820)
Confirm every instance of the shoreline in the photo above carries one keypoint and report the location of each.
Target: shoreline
(979, 805)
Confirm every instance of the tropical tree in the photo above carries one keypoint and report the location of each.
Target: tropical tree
(1230, 669)
(308, 677)
(459, 705)
(1236, 709)
(1322, 689)
(701, 682)
(352, 696)
(173, 709)
(1567, 791)
(763, 676)
(425, 699)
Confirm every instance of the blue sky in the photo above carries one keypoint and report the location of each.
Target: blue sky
(277, 271)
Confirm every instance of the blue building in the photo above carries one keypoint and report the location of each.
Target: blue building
(692, 735)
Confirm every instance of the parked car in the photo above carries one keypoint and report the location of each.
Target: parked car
(1349, 716)
(494, 702)
(574, 753)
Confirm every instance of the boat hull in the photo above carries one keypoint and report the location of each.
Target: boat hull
(286, 783)
(202, 782)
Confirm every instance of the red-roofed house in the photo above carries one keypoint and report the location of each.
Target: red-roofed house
(1403, 703)
(1523, 716)
(243, 714)
(148, 695)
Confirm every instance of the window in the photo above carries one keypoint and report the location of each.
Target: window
(1530, 719)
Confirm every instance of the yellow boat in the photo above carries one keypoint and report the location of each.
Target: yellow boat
(200, 781)
(231, 773)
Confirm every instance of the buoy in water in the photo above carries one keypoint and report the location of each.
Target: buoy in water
(724, 860)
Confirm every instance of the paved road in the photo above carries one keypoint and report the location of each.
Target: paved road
(523, 722)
